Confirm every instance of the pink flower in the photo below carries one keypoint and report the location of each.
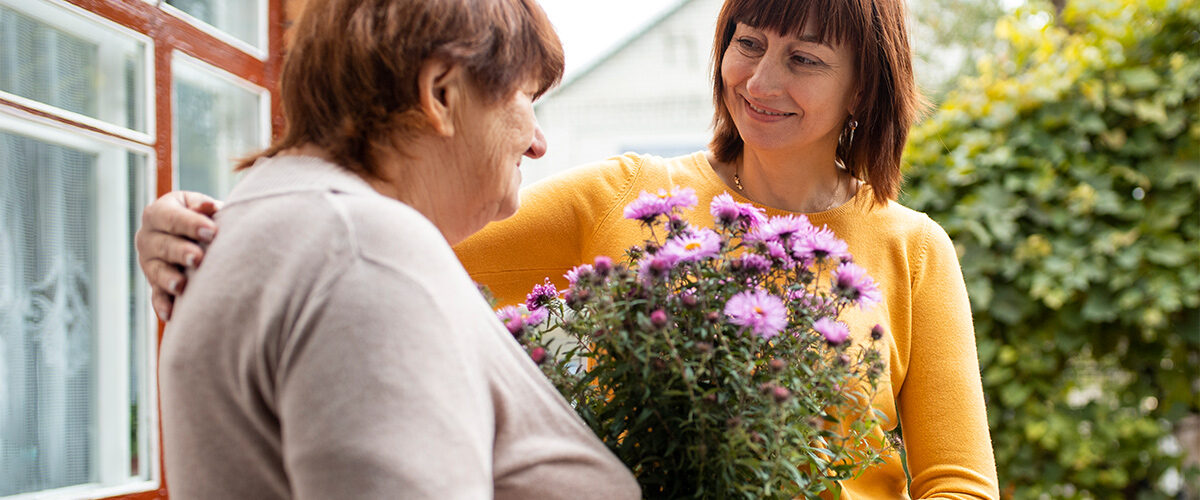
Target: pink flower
(754, 264)
(728, 212)
(658, 318)
(580, 271)
(820, 244)
(516, 320)
(851, 281)
(697, 245)
(541, 296)
(538, 355)
(835, 332)
(783, 227)
(657, 266)
(758, 310)
(602, 265)
(648, 207)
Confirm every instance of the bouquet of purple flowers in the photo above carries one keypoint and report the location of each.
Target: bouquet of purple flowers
(712, 361)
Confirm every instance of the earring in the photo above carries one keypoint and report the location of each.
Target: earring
(850, 127)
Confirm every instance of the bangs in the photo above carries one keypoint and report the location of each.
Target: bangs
(831, 21)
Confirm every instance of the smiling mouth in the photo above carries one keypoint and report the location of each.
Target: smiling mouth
(762, 111)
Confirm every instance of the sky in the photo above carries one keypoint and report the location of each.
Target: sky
(589, 28)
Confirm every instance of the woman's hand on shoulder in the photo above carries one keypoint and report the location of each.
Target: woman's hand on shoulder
(173, 227)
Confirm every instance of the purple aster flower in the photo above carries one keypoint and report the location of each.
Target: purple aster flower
(853, 283)
(603, 264)
(753, 263)
(657, 266)
(516, 320)
(820, 244)
(835, 332)
(783, 227)
(649, 206)
(759, 311)
(541, 296)
(693, 246)
(819, 304)
(728, 212)
(577, 272)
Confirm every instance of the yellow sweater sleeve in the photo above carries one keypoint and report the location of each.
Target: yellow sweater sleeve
(550, 231)
(942, 410)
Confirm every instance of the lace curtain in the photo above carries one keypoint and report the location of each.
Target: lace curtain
(46, 246)
(45, 315)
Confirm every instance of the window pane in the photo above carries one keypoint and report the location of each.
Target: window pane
(240, 18)
(66, 317)
(216, 121)
(57, 57)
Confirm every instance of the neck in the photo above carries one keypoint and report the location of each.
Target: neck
(410, 181)
(807, 185)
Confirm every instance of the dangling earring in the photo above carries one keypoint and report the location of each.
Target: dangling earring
(850, 127)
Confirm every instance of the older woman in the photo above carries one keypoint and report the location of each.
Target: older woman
(332, 346)
(814, 102)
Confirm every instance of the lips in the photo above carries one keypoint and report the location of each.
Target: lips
(765, 111)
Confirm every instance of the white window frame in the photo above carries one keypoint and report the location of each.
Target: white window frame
(111, 415)
(98, 30)
(258, 48)
(225, 175)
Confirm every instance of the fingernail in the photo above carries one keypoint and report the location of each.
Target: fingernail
(206, 235)
(190, 261)
(173, 286)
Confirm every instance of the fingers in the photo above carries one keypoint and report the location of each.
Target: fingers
(164, 277)
(182, 213)
(163, 304)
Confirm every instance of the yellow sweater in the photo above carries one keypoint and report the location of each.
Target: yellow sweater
(933, 369)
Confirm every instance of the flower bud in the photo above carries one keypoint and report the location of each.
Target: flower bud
(710, 398)
(876, 332)
(704, 347)
(688, 299)
(781, 394)
(658, 364)
(538, 354)
(658, 318)
(712, 316)
(777, 365)
(844, 359)
(602, 265)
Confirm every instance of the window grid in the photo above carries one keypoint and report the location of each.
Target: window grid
(165, 33)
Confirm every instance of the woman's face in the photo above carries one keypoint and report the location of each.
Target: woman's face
(497, 137)
(787, 93)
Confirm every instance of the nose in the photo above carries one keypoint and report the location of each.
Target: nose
(537, 148)
(765, 81)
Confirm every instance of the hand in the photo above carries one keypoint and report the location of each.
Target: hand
(167, 242)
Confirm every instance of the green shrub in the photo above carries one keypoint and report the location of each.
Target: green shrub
(1068, 174)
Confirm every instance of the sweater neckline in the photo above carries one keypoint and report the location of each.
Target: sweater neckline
(709, 175)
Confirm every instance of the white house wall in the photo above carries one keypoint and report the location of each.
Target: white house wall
(653, 95)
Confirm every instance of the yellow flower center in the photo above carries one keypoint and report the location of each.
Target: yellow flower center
(695, 245)
(758, 310)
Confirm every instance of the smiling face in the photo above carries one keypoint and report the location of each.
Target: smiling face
(787, 93)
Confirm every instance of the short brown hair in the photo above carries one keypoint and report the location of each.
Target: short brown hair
(889, 100)
(349, 82)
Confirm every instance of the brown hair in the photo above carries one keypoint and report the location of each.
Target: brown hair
(349, 83)
(889, 101)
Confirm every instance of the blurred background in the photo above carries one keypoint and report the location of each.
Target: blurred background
(1062, 154)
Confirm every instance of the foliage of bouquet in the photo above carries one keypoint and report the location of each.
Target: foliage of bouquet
(711, 361)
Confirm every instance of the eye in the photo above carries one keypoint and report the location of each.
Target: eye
(804, 60)
(749, 44)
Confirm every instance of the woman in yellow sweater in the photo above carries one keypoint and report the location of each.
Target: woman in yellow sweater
(814, 103)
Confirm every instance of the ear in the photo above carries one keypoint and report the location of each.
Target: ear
(440, 91)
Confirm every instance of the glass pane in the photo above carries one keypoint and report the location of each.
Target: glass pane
(216, 122)
(241, 18)
(54, 56)
(59, 247)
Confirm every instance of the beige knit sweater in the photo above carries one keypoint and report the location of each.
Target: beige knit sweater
(331, 346)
